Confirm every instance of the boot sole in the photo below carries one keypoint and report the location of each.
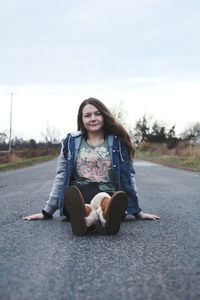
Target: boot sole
(116, 208)
(75, 206)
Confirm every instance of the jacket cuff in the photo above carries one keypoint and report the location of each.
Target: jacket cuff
(46, 214)
(133, 211)
(49, 209)
(137, 215)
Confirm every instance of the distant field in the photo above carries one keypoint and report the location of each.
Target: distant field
(186, 158)
(27, 157)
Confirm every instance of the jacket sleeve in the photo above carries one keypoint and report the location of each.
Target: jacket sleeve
(53, 201)
(128, 182)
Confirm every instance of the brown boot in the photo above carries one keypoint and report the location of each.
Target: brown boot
(110, 210)
(114, 211)
(75, 207)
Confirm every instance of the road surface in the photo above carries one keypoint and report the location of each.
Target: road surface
(145, 260)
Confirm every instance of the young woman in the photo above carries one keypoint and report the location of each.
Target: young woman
(95, 181)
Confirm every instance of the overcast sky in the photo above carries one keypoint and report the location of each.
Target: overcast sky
(56, 53)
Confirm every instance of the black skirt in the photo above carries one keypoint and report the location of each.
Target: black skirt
(89, 190)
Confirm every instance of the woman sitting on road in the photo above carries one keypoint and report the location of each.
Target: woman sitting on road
(95, 181)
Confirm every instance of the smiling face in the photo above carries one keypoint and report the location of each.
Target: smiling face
(92, 118)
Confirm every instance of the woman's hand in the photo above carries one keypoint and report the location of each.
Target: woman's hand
(144, 216)
(39, 216)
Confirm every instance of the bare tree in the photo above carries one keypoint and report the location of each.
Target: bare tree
(51, 135)
(3, 138)
(119, 112)
(192, 133)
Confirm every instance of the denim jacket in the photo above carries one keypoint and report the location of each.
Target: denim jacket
(122, 166)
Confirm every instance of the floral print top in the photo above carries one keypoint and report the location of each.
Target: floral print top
(94, 165)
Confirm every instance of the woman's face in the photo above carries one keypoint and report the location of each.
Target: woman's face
(92, 118)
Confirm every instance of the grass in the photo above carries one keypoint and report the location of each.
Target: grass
(21, 163)
(177, 161)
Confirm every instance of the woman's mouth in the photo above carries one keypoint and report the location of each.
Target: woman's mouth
(94, 124)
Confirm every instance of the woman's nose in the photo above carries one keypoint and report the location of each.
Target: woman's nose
(93, 117)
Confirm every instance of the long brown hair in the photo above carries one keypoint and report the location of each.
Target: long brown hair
(111, 125)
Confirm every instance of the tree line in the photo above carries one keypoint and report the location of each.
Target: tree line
(142, 132)
(157, 133)
(50, 139)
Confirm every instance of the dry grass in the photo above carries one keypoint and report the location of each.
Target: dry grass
(183, 156)
(26, 157)
(25, 162)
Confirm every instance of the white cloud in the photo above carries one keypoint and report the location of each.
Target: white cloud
(54, 54)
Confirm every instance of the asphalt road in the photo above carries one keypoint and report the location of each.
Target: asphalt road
(145, 260)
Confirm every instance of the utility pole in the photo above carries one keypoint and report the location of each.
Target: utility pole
(10, 138)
